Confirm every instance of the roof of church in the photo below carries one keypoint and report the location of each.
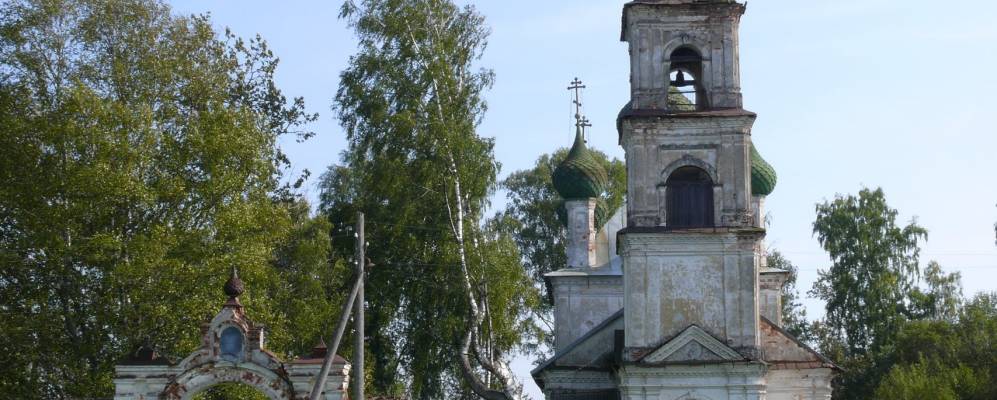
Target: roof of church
(580, 175)
(782, 350)
(763, 176)
(605, 327)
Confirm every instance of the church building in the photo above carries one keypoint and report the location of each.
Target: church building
(671, 298)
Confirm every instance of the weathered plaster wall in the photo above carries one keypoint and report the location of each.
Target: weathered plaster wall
(717, 142)
(581, 302)
(674, 279)
(799, 384)
(770, 282)
(580, 243)
(707, 381)
(654, 32)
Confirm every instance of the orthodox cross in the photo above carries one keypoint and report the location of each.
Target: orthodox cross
(580, 121)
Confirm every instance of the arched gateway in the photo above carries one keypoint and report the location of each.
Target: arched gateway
(232, 350)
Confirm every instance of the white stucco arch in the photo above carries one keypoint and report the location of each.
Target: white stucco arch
(272, 385)
(239, 358)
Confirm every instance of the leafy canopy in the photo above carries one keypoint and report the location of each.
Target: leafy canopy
(139, 164)
(874, 266)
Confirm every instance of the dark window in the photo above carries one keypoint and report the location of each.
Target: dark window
(689, 192)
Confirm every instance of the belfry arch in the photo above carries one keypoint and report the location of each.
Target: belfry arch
(232, 350)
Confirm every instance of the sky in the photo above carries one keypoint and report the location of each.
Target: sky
(898, 94)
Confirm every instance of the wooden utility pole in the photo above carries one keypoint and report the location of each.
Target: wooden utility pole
(355, 299)
(330, 354)
(358, 319)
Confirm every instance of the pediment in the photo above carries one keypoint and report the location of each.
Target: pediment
(693, 345)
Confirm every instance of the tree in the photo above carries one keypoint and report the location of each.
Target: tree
(794, 316)
(139, 165)
(874, 266)
(448, 295)
(946, 359)
(867, 288)
(941, 299)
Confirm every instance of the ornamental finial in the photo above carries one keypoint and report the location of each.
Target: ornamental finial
(234, 287)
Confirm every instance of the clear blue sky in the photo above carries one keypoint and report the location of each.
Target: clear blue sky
(849, 93)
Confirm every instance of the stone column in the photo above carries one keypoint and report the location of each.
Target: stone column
(770, 282)
(580, 247)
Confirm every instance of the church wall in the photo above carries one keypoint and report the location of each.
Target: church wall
(582, 302)
(674, 279)
(719, 145)
(575, 384)
(799, 384)
(689, 382)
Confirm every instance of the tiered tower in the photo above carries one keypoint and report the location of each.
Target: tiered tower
(692, 248)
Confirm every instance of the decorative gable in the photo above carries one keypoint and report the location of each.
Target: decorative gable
(692, 345)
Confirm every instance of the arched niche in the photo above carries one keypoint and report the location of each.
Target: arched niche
(689, 53)
(688, 194)
(189, 384)
(685, 77)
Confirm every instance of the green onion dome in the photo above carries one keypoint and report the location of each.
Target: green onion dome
(763, 177)
(580, 175)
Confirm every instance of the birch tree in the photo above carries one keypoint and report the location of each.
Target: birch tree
(449, 295)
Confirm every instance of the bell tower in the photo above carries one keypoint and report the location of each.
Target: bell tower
(692, 246)
(672, 39)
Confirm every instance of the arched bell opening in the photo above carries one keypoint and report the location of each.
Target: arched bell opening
(230, 391)
(689, 198)
(685, 92)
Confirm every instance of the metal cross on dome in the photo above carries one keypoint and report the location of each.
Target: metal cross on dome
(580, 121)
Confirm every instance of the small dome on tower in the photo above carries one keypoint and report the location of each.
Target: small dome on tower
(763, 177)
(580, 175)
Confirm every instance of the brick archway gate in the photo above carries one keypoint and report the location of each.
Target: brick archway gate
(232, 350)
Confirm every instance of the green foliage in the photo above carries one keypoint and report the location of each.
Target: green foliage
(946, 359)
(410, 101)
(139, 164)
(941, 298)
(874, 266)
(895, 338)
(230, 391)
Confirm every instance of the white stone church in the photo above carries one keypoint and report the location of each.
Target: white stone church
(671, 298)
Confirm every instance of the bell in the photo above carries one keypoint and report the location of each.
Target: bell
(680, 80)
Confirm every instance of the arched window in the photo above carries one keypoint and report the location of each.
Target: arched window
(686, 91)
(689, 202)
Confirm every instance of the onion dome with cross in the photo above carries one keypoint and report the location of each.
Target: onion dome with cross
(580, 175)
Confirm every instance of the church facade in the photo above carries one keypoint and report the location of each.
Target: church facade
(672, 298)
